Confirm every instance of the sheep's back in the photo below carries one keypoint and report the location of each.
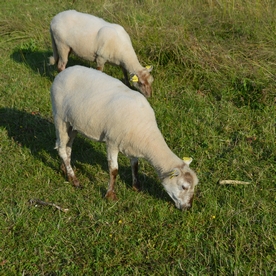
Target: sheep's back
(72, 20)
(89, 36)
(99, 106)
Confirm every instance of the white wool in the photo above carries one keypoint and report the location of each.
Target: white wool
(103, 109)
(95, 39)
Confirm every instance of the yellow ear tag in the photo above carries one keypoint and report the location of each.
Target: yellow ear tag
(134, 78)
(187, 160)
(148, 66)
(172, 174)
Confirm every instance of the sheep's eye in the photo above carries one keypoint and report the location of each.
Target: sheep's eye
(184, 188)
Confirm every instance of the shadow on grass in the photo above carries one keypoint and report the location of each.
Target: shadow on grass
(38, 61)
(36, 133)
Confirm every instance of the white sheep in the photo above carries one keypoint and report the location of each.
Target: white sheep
(94, 39)
(102, 108)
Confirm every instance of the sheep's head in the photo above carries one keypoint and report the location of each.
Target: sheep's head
(143, 80)
(180, 184)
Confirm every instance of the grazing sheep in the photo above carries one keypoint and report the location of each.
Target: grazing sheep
(104, 109)
(94, 39)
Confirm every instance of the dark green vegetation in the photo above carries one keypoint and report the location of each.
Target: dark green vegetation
(214, 98)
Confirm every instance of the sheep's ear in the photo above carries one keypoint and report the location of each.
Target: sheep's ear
(187, 160)
(149, 68)
(173, 173)
(134, 78)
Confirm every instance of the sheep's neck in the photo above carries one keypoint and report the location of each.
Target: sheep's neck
(161, 157)
(131, 63)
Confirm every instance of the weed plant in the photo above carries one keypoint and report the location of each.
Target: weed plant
(214, 99)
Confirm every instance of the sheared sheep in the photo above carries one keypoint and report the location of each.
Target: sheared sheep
(94, 39)
(102, 108)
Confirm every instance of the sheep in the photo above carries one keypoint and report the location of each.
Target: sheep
(103, 109)
(94, 39)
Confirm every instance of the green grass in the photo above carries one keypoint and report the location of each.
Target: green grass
(214, 98)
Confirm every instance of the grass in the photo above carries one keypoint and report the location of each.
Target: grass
(214, 99)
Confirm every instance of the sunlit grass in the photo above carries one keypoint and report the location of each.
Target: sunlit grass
(214, 99)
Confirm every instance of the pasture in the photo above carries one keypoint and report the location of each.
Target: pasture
(214, 98)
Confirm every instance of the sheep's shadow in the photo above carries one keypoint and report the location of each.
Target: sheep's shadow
(38, 61)
(37, 133)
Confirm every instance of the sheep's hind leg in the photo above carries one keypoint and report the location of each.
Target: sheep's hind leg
(66, 167)
(100, 63)
(112, 156)
(134, 169)
(63, 52)
(65, 140)
(72, 135)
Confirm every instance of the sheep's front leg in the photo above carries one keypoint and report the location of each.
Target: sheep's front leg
(126, 77)
(112, 155)
(134, 169)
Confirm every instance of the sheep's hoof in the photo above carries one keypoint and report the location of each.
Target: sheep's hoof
(75, 182)
(111, 195)
(136, 187)
(79, 186)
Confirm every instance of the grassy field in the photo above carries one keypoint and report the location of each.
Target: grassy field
(214, 98)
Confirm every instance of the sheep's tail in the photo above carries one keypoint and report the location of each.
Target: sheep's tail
(53, 59)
